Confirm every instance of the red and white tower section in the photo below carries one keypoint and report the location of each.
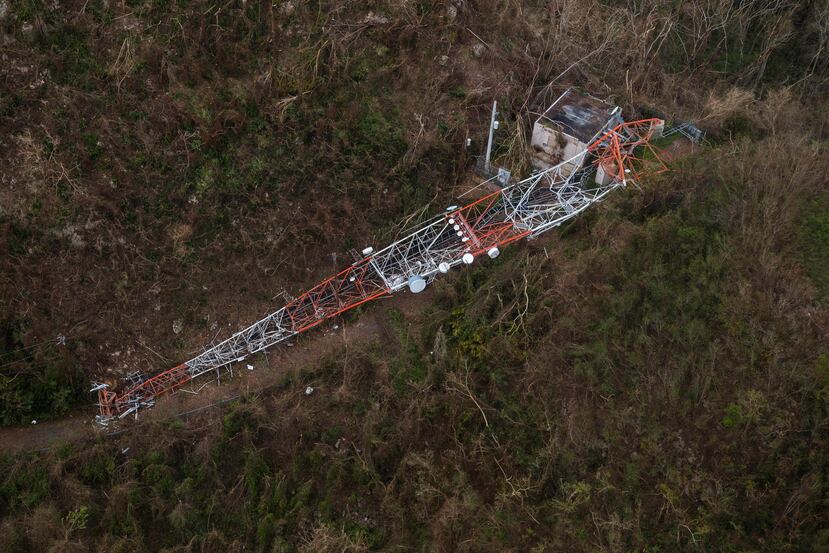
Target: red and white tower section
(454, 238)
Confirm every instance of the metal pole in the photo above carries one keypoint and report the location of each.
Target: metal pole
(491, 131)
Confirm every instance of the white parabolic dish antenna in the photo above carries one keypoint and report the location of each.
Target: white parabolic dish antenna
(417, 284)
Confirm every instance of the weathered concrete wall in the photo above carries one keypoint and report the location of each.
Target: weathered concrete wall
(551, 147)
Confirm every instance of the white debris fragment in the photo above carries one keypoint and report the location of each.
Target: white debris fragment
(309, 390)
(34, 421)
(249, 367)
(374, 19)
(287, 8)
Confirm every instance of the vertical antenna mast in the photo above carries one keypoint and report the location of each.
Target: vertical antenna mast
(492, 126)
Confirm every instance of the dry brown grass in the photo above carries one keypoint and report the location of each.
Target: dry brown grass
(325, 538)
(721, 106)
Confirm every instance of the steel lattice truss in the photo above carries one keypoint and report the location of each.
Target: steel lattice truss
(524, 209)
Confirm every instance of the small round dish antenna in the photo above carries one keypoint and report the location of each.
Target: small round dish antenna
(417, 284)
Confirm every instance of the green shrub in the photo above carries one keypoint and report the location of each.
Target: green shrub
(37, 382)
(378, 134)
(239, 418)
(265, 531)
(23, 485)
(733, 416)
(96, 465)
(822, 374)
(813, 241)
(256, 468)
(77, 519)
(161, 478)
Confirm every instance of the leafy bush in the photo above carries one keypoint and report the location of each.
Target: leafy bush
(36, 382)
(813, 240)
(21, 485)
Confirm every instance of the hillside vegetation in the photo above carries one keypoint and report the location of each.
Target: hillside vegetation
(654, 376)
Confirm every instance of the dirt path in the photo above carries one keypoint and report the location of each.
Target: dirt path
(303, 352)
(46, 434)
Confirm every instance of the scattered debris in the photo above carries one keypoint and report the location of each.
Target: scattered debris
(309, 390)
(249, 367)
(688, 130)
(373, 19)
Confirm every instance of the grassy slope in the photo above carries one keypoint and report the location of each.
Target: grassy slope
(653, 377)
(164, 173)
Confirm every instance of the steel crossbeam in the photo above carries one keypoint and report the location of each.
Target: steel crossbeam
(524, 209)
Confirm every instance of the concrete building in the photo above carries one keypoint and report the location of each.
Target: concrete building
(565, 128)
